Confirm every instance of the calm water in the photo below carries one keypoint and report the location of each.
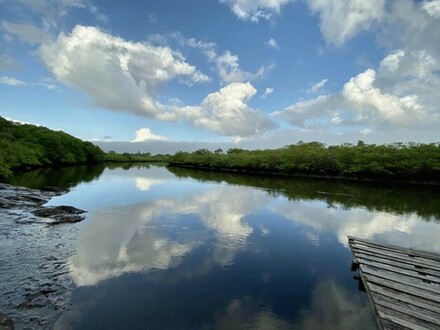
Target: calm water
(171, 248)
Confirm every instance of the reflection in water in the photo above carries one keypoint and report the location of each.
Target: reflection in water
(334, 307)
(181, 253)
(144, 184)
(63, 177)
(134, 238)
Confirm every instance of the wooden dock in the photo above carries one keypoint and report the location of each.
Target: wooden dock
(403, 284)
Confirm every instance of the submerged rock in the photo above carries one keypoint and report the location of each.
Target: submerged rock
(5, 322)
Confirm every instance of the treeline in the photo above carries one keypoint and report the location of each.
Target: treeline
(114, 157)
(396, 161)
(26, 146)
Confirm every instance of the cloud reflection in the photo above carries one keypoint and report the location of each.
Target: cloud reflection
(148, 236)
(406, 230)
(145, 183)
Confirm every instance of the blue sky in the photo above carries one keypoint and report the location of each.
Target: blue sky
(262, 73)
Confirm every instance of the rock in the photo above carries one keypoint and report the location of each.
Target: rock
(60, 214)
(52, 211)
(5, 322)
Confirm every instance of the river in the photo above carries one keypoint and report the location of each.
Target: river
(170, 248)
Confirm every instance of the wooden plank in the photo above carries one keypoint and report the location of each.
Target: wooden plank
(405, 297)
(417, 252)
(401, 271)
(396, 257)
(402, 288)
(403, 284)
(401, 320)
(392, 262)
(388, 325)
(411, 310)
(406, 280)
(399, 254)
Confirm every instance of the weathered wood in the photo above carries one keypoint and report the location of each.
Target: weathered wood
(399, 270)
(403, 319)
(405, 297)
(392, 262)
(407, 309)
(403, 284)
(388, 325)
(397, 257)
(419, 253)
(404, 255)
(397, 278)
(402, 288)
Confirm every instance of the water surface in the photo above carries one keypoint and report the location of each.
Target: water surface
(171, 248)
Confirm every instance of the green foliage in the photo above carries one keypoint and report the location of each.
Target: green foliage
(24, 146)
(113, 157)
(397, 161)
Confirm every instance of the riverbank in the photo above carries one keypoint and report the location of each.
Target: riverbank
(34, 247)
(397, 162)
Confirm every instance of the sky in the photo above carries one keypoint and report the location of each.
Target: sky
(176, 75)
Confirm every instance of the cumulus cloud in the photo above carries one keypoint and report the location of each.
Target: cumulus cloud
(127, 76)
(117, 74)
(11, 81)
(145, 134)
(372, 103)
(254, 10)
(341, 20)
(227, 112)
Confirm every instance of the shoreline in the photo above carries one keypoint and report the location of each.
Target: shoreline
(35, 244)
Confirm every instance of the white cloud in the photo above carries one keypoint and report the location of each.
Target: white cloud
(254, 10)
(272, 43)
(227, 64)
(313, 113)
(229, 69)
(267, 92)
(363, 102)
(226, 112)
(318, 86)
(432, 8)
(11, 81)
(26, 32)
(117, 74)
(372, 103)
(343, 19)
(126, 76)
(145, 134)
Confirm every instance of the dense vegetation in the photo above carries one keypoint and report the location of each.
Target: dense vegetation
(397, 161)
(26, 146)
(113, 157)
